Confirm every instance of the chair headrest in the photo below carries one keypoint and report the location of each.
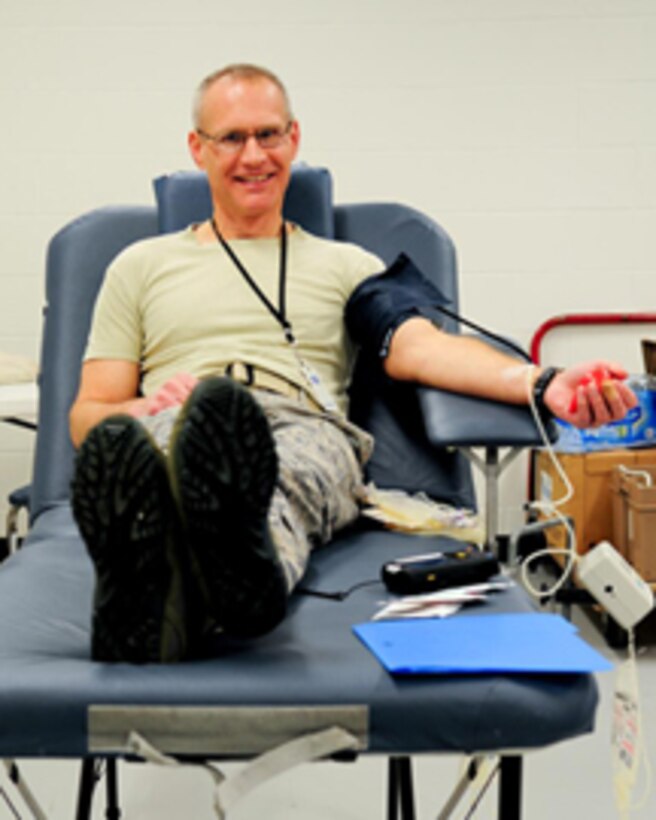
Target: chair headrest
(184, 197)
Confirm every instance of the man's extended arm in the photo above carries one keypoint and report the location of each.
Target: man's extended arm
(421, 352)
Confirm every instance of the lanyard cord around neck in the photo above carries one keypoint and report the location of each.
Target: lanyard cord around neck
(280, 312)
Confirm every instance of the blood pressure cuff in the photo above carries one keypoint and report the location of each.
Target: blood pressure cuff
(382, 302)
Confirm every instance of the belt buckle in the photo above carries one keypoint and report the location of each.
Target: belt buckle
(241, 372)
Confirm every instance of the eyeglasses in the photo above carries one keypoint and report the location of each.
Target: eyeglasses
(231, 142)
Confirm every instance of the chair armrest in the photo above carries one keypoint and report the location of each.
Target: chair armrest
(456, 420)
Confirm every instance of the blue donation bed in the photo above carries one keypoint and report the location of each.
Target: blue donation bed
(311, 674)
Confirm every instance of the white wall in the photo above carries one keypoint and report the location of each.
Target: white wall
(526, 127)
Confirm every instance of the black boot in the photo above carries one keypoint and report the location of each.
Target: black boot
(122, 503)
(223, 468)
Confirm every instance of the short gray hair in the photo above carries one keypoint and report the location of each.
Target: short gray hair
(237, 71)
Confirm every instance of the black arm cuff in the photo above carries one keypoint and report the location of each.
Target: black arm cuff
(382, 302)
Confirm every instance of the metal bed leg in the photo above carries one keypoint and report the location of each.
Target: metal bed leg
(491, 466)
(90, 774)
(400, 792)
(88, 780)
(392, 790)
(510, 788)
(113, 811)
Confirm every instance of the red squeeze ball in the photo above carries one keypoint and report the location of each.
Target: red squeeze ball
(599, 375)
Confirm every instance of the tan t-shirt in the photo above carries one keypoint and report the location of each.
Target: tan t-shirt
(175, 305)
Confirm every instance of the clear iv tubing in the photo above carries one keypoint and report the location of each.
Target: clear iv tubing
(550, 509)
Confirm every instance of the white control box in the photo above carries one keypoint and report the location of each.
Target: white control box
(615, 584)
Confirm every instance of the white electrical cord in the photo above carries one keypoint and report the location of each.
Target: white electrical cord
(637, 473)
(628, 731)
(550, 509)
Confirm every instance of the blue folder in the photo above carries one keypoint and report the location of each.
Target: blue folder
(471, 644)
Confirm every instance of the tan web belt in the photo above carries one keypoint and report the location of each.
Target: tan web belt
(252, 376)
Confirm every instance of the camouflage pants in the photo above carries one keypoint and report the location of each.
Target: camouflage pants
(320, 460)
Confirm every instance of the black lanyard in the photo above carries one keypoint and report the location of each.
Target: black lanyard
(280, 312)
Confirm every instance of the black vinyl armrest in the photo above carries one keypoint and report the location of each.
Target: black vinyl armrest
(456, 420)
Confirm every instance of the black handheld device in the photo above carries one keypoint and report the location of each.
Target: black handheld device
(415, 574)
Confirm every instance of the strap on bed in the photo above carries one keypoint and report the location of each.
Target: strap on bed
(229, 790)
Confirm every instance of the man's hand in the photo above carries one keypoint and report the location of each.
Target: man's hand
(171, 394)
(110, 386)
(591, 394)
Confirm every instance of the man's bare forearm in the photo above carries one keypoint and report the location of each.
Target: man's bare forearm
(421, 353)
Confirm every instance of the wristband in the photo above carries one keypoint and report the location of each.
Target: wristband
(540, 388)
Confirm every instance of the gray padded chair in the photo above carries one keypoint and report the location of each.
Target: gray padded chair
(425, 438)
(310, 675)
(404, 457)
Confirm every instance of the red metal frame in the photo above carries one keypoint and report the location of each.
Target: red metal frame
(636, 318)
(585, 319)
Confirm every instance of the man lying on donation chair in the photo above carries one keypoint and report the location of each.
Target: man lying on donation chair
(214, 449)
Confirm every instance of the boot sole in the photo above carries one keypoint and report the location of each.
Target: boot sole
(223, 472)
(122, 503)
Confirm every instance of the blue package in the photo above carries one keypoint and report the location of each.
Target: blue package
(637, 429)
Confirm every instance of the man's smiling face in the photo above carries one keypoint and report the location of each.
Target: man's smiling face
(248, 181)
